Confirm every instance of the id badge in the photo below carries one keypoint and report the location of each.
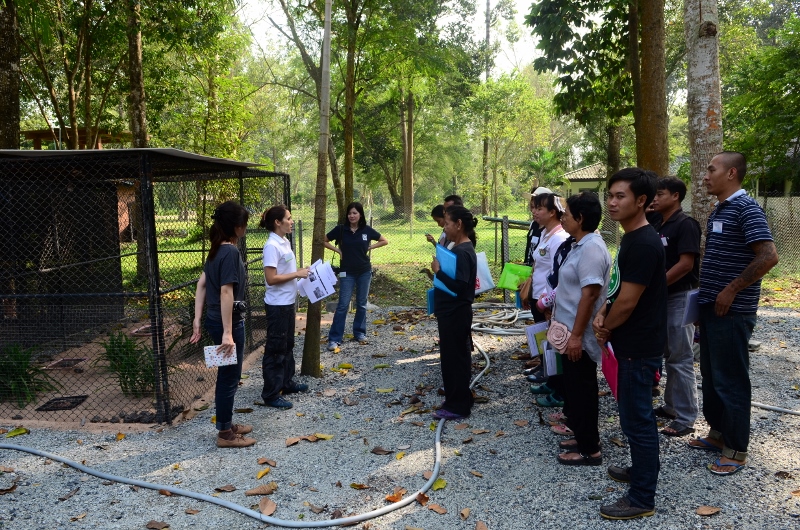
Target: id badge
(664, 241)
(342, 274)
(716, 227)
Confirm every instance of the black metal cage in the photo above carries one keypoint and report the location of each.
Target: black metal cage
(100, 252)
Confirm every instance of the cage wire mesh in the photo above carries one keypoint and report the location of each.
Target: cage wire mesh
(100, 252)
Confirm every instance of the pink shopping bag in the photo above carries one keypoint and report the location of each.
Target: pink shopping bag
(610, 367)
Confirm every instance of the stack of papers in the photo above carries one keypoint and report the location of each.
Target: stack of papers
(319, 283)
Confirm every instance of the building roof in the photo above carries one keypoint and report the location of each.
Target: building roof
(175, 154)
(593, 173)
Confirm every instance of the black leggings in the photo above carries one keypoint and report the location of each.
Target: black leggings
(455, 352)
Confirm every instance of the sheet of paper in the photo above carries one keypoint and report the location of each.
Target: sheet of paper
(691, 311)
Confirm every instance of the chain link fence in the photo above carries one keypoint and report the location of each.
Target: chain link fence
(100, 252)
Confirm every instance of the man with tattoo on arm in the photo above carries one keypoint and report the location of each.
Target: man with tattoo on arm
(739, 251)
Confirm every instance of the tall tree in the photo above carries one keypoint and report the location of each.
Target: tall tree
(136, 98)
(9, 76)
(704, 102)
(651, 122)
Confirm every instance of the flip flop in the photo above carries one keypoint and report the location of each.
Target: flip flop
(562, 429)
(676, 430)
(718, 463)
(569, 443)
(584, 460)
(707, 446)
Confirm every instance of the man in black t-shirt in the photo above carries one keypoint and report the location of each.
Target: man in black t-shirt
(633, 322)
(680, 235)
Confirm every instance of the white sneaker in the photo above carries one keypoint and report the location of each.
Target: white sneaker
(332, 346)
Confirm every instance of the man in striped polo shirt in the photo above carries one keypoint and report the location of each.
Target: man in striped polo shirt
(739, 252)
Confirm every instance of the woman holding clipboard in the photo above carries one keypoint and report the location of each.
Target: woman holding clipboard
(454, 314)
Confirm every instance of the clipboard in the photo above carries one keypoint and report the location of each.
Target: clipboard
(691, 311)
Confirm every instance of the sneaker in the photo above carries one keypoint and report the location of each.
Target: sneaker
(294, 388)
(279, 403)
(541, 389)
(333, 345)
(622, 510)
(361, 339)
(444, 414)
(620, 474)
(238, 441)
(241, 429)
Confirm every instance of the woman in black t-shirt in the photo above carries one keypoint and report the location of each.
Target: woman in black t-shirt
(454, 315)
(223, 282)
(354, 238)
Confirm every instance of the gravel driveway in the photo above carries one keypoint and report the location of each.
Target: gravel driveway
(501, 466)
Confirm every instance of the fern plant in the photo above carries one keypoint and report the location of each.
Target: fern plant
(131, 363)
(22, 378)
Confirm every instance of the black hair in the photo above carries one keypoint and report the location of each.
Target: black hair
(227, 217)
(735, 159)
(672, 185)
(551, 201)
(586, 207)
(459, 213)
(641, 182)
(362, 222)
(438, 211)
(268, 218)
(455, 199)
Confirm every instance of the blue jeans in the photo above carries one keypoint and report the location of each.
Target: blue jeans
(725, 367)
(359, 283)
(638, 422)
(680, 392)
(227, 376)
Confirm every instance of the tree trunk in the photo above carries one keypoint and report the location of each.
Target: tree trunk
(137, 96)
(703, 101)
(652, 144)
(407, 108)
(9, 76)
(353, 10)
(613, 148)
(337, 182)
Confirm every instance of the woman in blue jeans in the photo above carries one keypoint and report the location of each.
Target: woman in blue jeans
(221, 289)
(354, 239)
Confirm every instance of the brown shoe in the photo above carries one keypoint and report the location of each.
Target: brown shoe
(238, 441)
(241, 429)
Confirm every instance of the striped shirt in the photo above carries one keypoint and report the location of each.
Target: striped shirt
(734, 225)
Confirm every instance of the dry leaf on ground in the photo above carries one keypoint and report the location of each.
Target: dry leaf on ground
(796, 493)
(269, 462)
(378, 450)
(350, 401)
(479, 431)
(267, 506)
(357, 486)
(167, 493)
(400, 455)
(191, 511)
(78, 517)
(521, 423)
(322, 436)
(427, 475)
(422, 499)
(226, 487)
(120, 436)
(439, 484)
(462, 426)
(464, 514)
(481, 526)
(157, 525)
(708, 510)
(68, 495)
(467, 440)
(476, 473)
(261, 473)
(616, 441)
(329, 392)
(317, 509)
(438, 509)
(397, 495)
(291, 441)
(264, 489)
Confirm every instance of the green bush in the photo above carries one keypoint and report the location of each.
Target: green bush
(22, 379)
(132, 364)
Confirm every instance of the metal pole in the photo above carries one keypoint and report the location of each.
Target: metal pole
(505, 251)
(300, 240)
(248, 319)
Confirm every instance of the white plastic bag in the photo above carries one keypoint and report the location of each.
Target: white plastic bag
(483, 280)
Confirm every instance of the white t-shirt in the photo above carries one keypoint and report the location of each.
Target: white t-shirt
(543, 259)
(278, 253)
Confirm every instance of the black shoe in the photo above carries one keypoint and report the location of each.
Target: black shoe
(532, 371)
(294, 388)
(620, 474)
(622, 510)
(278, 403)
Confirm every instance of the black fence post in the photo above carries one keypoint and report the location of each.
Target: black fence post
(163, 412)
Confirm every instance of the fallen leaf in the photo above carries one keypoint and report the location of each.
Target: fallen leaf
(167, 493)
(400, 455)
(521, 423)
(422, 499)
(3, 431)
(412, 528)
(329, 392)
(78, 517)
(616, 441)
(323, 436)
(349, 401)
(467, 440)
(397, 496)
(481, 526)
(157, 525)
(17, 432)
(783, 474)
(267, 506)
(261, 473)
(438, 509)
(226, 487)
(384, 390)
(476, 473)
(378, 450)
(427, 475)
(10, 488)
(379, 322)
(707, 510)
(134, 488)
(309, 438)
(345, 366)
(479, 431)
(68, 495)
(203, 407)
(317, 509)
(403, 447)
(120, 436)
(337, 514)
(498, 434)
(464, 514)
(191, 511)
(462, 426)
(264, 489)
(381, 366)
(378, 355)
(796, 493)
(311, 488)
(262, 461)
(357, 486)
(292, 441)
(782, 344)
(439, 484)
(5, 469)
(418, 423)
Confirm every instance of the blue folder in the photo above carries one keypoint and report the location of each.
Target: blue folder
(447, 263)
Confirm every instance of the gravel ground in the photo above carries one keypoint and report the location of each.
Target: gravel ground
(507, 477)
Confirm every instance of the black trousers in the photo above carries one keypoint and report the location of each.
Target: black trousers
(455, 353)
(277, 365)
(581, 403)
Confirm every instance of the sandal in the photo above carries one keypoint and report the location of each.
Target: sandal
(549, 401)
(661, 412)
(584, 460)
(562, 429)
(675, 429)
(736, 467)
(556, 417)
(569, 443)
(705, 445)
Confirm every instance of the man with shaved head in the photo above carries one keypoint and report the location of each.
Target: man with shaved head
(739, 251)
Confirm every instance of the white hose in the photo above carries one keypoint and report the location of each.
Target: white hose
(252, 513)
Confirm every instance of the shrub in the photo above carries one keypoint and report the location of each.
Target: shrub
(132, 364)
(22, 378)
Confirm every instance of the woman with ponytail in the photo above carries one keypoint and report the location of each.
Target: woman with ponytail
(454, 315)
(221, 288)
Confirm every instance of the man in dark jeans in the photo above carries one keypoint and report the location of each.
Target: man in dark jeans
(739, 252)
(633, 322)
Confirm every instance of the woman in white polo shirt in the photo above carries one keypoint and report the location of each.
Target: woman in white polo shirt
(280, 273)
